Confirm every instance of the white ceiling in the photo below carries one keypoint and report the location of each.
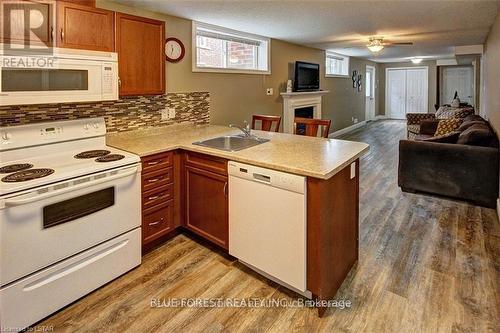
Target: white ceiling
(434, 27)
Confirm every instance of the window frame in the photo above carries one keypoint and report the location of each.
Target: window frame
(341, 56)
(194, 50)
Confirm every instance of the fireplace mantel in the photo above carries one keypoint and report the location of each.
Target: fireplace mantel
(295, 100)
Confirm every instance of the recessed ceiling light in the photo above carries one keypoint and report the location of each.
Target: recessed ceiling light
(416, 60)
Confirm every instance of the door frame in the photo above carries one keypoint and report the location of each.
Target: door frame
(373, 92)
(386, 110)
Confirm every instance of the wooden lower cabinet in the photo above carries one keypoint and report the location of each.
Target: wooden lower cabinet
(184, 189)
(206, 198)
(157, 196)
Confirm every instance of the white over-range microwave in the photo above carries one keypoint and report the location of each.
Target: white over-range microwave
(59, 76)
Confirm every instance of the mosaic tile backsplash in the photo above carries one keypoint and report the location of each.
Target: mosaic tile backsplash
(123, 115)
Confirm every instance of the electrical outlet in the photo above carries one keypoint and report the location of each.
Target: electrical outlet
(164, 114)
(171, 113)
(269, 91)
(355, 120)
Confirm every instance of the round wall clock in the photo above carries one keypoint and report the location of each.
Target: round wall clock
(174, 49)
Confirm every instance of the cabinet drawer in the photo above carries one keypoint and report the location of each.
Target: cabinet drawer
(157, 195)
(157, 162)
(156, 179)
(157, 221)
(207, 162)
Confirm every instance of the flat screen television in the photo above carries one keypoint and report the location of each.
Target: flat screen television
(306, 76)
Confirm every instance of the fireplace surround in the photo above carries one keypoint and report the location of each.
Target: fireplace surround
(300, 100)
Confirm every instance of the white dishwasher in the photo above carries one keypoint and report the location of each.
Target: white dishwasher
(267, 222)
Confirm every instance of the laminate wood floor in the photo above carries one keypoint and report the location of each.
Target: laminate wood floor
(426, 264)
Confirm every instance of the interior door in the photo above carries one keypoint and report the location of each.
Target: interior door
(416, 90)
(396, 93)
(370, 93)
(458, 79)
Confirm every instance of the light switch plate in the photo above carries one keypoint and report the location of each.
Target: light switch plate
(353, 170)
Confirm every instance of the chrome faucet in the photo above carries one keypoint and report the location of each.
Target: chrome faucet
(245, 129)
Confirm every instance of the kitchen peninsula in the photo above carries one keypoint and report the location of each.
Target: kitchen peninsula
(185, 171)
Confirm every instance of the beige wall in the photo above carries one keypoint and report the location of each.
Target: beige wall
(235, 97)
(491, 72)
(432, 81)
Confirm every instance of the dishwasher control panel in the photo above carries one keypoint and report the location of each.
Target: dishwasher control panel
(283, 180)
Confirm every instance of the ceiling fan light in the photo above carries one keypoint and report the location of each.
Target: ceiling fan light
(375, 48)
(416, 60)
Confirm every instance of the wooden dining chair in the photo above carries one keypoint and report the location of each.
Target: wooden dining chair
(266, 122)
(310, 127)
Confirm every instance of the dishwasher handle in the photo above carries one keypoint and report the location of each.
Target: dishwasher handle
(262, 178)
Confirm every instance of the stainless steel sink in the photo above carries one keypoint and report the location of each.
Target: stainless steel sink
(231, 142)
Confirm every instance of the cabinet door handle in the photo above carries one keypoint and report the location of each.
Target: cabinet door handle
(225, 189)
(156, 222)
(154, 162)
(154, 180)
(51, 33)
(62, 34)
(119, 82)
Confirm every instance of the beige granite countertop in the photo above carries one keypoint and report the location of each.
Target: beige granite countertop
(307, 156)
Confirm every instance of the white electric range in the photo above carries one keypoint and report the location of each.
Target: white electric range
(69, 216)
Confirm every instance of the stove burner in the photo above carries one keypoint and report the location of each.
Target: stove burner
(92, 154)
(15, 167)
(110, 158)
(25, 175)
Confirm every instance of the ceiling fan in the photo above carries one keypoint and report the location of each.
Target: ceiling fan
(376, 45)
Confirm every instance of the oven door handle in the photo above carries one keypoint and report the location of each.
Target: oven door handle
(19, 202)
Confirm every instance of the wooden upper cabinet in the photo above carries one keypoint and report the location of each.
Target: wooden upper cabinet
(19, 30)
(84, 27)
(90, 3)
(140, 45)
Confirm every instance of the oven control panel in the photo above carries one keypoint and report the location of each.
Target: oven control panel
(36, 134)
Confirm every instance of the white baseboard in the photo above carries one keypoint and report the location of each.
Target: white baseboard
(347, 129)
(380, 116)
(498, 208)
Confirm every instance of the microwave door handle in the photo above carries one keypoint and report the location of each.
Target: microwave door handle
(19, 202)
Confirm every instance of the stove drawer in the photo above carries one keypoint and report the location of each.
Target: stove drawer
(157, 178)
(157, 162)
(28, 300)
(157, 221)
(157, 195)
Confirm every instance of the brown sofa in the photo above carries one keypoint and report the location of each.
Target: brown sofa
(463, 164)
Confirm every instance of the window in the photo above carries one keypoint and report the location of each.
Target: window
(336, 65)
(368, 84)
(222, 50)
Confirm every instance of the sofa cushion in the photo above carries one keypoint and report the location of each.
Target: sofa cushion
(478, 135)
(446, 126)
(466, 124)
(473, 117)
(451, 137)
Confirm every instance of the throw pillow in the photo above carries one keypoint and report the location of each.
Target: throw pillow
(446, 126)
(455, 103)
